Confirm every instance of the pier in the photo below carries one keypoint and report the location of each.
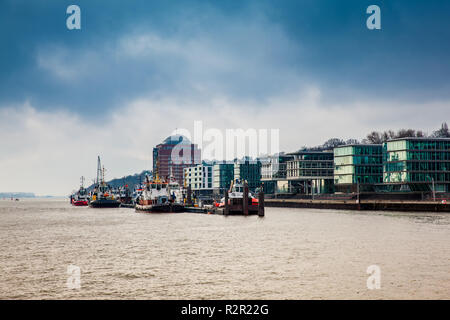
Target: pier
(242, 206)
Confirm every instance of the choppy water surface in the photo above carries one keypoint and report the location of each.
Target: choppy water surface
(289, 254)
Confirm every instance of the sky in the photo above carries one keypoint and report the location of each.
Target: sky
(138, 70)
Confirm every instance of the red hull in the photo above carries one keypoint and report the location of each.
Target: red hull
(80, 203)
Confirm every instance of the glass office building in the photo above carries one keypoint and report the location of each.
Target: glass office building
(249, 170)
(417, 164)
(358, 166)
(273, 174)
(223, 174)
(310, 172)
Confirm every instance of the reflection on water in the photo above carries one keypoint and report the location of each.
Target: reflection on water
(289, 254)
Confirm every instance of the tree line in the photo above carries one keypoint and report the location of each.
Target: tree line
(377, 137)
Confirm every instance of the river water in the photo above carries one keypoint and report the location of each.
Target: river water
(288, 254)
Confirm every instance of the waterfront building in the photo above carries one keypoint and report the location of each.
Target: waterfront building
(274, 173)
(223, 174)
(249, 170)
(199, 178)
(417, 165)
(358, 168)
(173, 155)
(310, 172)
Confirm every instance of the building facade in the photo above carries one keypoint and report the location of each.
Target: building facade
(310, 172)
(274, 174)
(173, 155)
(223, 174)
(249, 170)
(199, 178)
(417, 165)
(358, 168)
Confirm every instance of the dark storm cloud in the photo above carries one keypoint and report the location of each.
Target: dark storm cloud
(239, 49)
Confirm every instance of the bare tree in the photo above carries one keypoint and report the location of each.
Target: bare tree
(374, 138)
(420, 134)
(406, 133)
(443, 132)
(352, 141)
(332, 143)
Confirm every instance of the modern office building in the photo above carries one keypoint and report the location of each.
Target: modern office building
(310, 172)
(417, 165)
(273, 174)
(199, 178)
(173, 155)
(249, 170)
(223, 174)
(358, 168)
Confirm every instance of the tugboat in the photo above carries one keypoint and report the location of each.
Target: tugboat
(81, 197)
(125, 195)
(136, 194)
(102, 196)
(236, 199)
(174, 189)
(156, 198)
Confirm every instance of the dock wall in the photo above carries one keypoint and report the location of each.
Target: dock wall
(422, 206)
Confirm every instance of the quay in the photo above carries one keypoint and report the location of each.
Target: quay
(384, 205)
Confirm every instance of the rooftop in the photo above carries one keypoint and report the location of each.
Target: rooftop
(420, 139)
(309, 152)
(176, 139)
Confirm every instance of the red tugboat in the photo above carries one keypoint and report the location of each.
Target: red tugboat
(81, 197)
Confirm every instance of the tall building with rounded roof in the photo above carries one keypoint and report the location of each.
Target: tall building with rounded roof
(174, 154)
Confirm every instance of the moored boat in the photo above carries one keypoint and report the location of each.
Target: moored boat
(155, 198)
(102, 195)
(125, 195)
(81, 197)
(236, 199)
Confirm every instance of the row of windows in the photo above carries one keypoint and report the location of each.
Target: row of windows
(365, 179)
(417, 145)
(309, 173)
(417, 155)
(358, 160)
(358, 150)
(199, 174)
(416, 177)
(417, 166)
(308, 165)
(358, 170)
(315, 156)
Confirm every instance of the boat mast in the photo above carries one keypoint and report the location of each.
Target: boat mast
(99, 170)
(82, 182)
